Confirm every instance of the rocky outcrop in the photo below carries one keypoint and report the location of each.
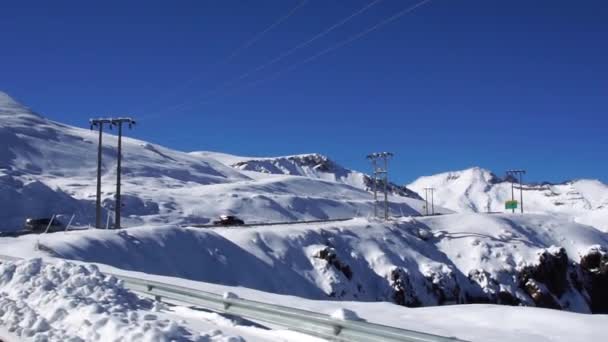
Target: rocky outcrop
(403, 291)
(443, 284)
(551, 281)
(548, 279)
(398, 190)
(594, 265)
(329, 254)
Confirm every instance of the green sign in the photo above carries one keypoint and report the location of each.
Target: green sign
(511, 205)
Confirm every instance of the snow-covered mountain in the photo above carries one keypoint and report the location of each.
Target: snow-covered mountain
(537, 259)
(479, 190)
(50, 168)
(311, 165)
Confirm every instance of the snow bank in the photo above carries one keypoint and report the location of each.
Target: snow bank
(67, 302)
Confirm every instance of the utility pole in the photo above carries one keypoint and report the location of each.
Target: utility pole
(426, 199)
(118, 122)
(379, 171)
(374, 182)
(515, 173)
(98, 123)
(386, 156)
(433, 200)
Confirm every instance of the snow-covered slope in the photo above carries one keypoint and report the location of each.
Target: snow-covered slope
(56, 301)
(49, 168)
(479, 190)
(311, 165)
(534, 260)
(78, 302)
(67, 302)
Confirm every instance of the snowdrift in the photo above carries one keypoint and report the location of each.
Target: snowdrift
(67, 302)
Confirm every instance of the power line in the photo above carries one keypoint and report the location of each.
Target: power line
(258, 36)
(280, 57)
(347, 41)
(320, 54)
(263, 32)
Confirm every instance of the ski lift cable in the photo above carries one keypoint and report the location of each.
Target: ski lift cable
(277, 59)
(333, 47)
(257, 37)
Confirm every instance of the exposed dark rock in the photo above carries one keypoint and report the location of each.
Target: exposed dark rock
(444, 285)
(541, 295)
(403, 292)
(553, 281)
(488, 287)
(594, 265)
(551, 270)
(399, 190)
(506, 298)
(329, 254)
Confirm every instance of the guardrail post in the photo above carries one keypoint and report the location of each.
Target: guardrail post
(337, 330)
(49, 225)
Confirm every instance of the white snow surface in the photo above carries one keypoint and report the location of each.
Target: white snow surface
(67, 302)
(479, 190)
(289, 259)
(469, 322)
(49, 168)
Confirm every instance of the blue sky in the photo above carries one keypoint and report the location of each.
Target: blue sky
(453, 84)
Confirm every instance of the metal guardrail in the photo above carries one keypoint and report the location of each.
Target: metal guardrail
(307, 322)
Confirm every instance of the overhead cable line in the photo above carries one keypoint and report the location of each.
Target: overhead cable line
(333, 47)
(344, 42)
(280, 57)
(258, 36)
(262, 33)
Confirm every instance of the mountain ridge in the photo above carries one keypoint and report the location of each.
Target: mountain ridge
(159, 185)
(479, 190)
(312, 165)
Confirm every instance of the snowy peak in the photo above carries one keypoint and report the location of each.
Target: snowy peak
(474, 175)
(296, 165)
(312, 165)
(8, 105)
(480, 190)
(7, 101)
